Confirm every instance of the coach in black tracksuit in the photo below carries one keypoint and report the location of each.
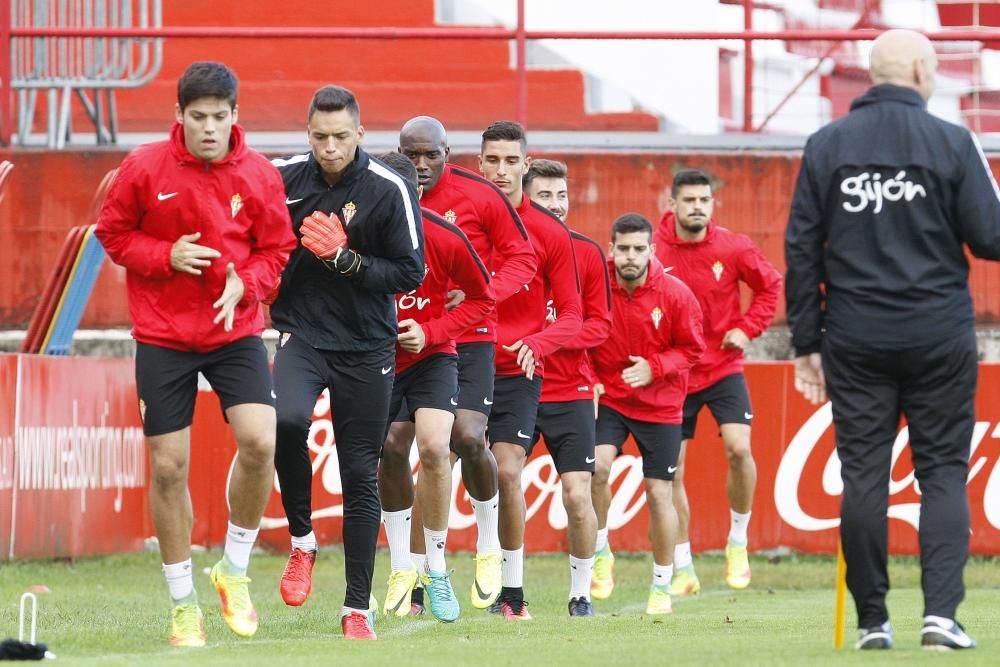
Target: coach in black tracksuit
(337, 322)
(886, 198)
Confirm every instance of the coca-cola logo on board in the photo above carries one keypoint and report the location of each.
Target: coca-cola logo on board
(793, 482)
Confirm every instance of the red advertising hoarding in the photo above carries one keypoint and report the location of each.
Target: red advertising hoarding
(80, 466)
(77, 473)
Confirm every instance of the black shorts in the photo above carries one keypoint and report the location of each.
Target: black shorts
(432, 382)
(659, 444)
(167, 381)
(569, 430)
(515, 411)
(476, 369)
(728, 400)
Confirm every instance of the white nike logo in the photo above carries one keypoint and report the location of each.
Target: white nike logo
(273, 395)
(668, 269)
(671, 469)
(590, 459)
(385, 371)
(747, 415)
(292, 201)
(163, 197)
(487, 401)
(521, 435)
(454, 402)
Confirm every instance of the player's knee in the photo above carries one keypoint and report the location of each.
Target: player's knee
(167, 471)
(659, 491)
(293, 425)
(435, 455)
(509, 475)
(469, 444)
(576, 499)
(257, 450)
(738, 453)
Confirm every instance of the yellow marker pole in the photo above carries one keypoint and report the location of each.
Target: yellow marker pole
(839, 609)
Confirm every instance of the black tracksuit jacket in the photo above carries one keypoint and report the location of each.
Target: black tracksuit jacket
(382, 216)
(886, 199)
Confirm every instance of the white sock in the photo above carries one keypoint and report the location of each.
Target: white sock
(435, 542)
(513, 568)
(488, 541)
(738, 528)
(306, 542)
(662, 574)
(180, 579)
(239, 544)
(580, 572)
(419, 562)
(397, 533)
(682, 555)
(602, 540)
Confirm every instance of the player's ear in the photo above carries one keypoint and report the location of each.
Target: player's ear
(361, 133)
(652, 248)
(480, 158)
(236, 113)
(178, 114)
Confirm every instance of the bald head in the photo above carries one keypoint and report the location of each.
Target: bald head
(424, 141)
(904, 58)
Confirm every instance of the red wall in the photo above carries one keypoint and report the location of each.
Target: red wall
(50, 191)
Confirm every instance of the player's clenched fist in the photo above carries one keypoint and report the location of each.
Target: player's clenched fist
(325, 237)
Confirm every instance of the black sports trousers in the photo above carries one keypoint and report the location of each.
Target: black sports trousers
(934, 386)
(360, 388)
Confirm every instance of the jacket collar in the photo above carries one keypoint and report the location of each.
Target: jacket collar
(654, 279)
(668, 231)
(887, 92)
(237, 146)
(358, 166)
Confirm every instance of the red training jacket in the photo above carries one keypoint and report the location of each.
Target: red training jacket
(569, 373)
(162, 192)
(523, 316)
(450, 260)
(483, 212)
(713, 269)
(661, 322)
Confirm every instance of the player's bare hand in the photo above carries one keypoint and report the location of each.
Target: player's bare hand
(231, 295)
(735, 339)
(809, 379)
(411, 336)
(639, 374)
(187, 256)
(525, 357)
(455, 297)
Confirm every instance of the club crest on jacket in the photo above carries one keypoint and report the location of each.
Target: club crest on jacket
(235, 204)
(656, 314)
(350, 208)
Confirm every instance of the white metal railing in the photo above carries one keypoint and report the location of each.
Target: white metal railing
(86, 67)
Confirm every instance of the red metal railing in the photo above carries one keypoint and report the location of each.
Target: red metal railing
(519, 34)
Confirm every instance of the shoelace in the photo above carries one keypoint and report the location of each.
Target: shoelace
(440, 589)
(239, 593)
(516, 606)
(186, 620)
(356, 623)
(297, 566)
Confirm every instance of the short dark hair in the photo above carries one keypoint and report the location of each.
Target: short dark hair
(335, 98)
(401, 165)
(207, 79)
(505, 130)
(542, 168)
(689, 177)
(629, 223)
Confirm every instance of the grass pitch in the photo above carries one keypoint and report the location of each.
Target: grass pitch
(115, 611)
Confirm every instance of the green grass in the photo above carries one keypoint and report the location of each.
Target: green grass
(114, 611)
